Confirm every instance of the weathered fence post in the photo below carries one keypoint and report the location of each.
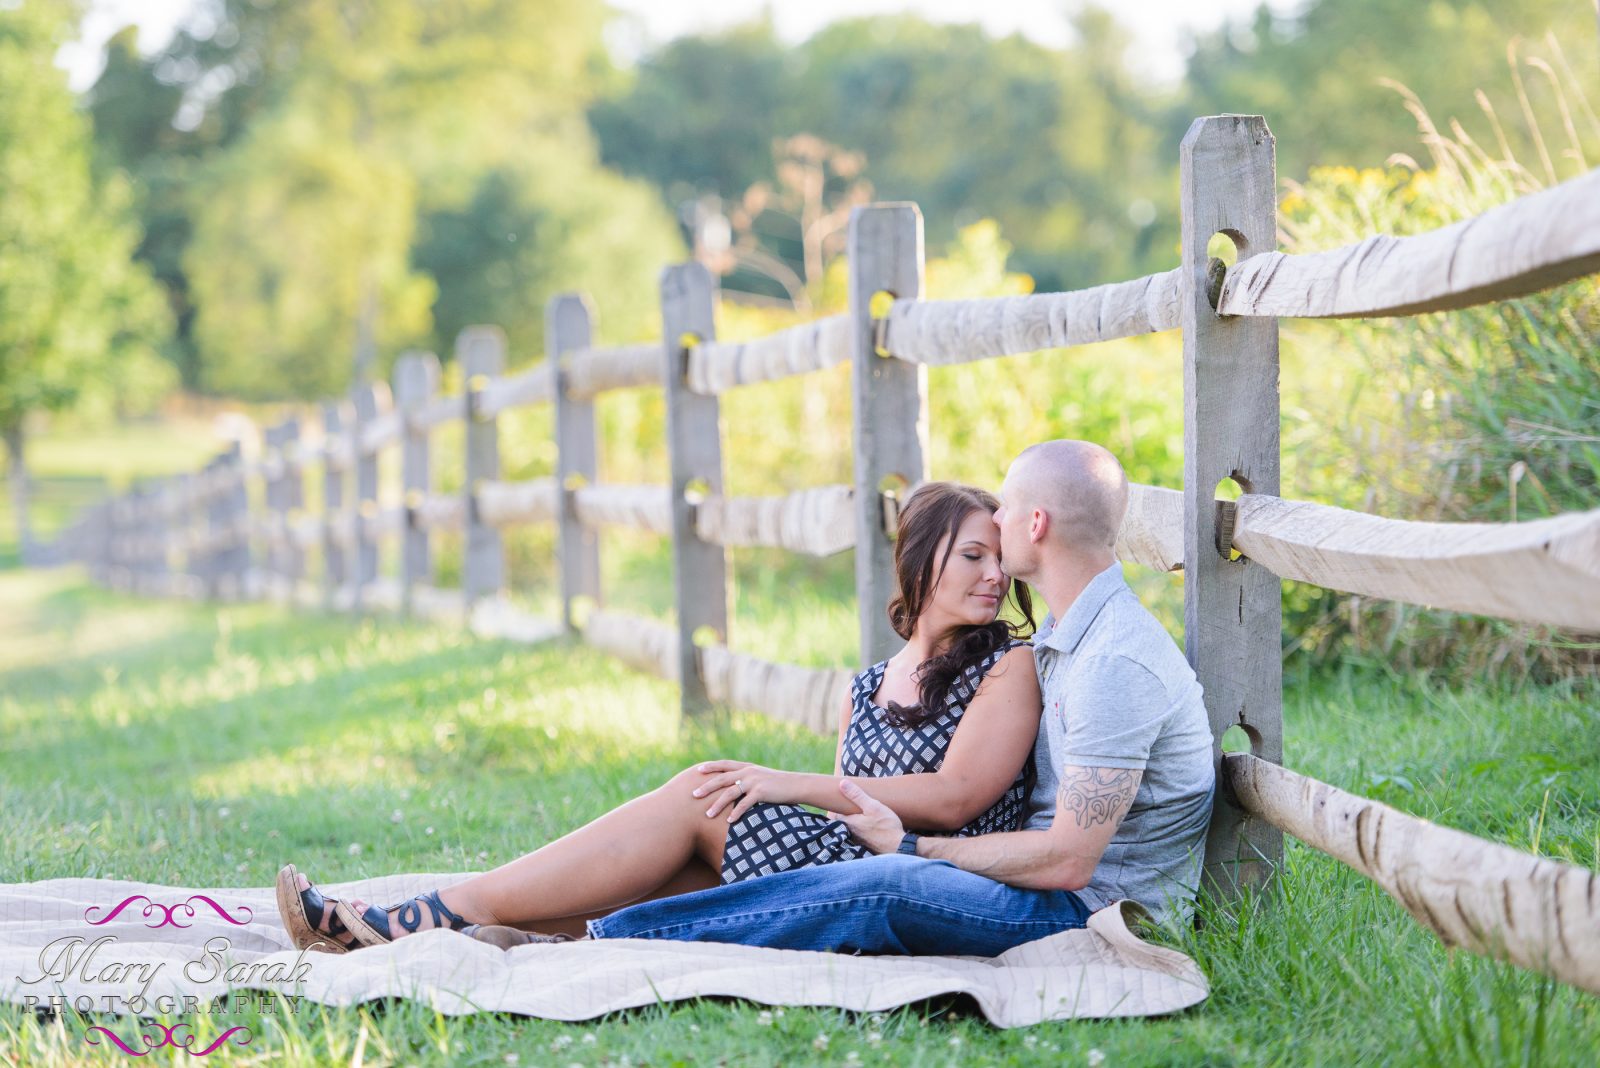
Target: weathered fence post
(188, 513)
(275, 483)
(333, 554)
(482, 352)
(292, 499)
(568, 328)
(1232, 613)
(416, 379)
(211, 560)
(138, 536)
(889, 409)
(369, 401)
(694, 449)
(99, 547)
(161, 536)
(236, 510)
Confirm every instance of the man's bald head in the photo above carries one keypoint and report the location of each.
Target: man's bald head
(1079, 485)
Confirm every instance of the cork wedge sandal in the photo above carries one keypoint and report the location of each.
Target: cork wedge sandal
(371, 926)
(303, 910)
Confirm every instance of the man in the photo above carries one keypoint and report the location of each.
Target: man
(1125, 773)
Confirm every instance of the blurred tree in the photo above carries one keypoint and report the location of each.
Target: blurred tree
(541, 221)
(700, 114)
(817, 187)
(1063, 150)
(297, 233)
(317, 158)
(78, 319)
(133, 107)
(1316, 75)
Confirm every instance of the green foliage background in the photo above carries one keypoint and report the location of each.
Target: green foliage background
(314, 179)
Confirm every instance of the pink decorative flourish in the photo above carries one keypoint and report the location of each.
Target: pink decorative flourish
(167, 911)
(184, 1043)
(245, 1041)
(150, 1043)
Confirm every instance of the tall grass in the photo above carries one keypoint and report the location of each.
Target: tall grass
(1485, 414)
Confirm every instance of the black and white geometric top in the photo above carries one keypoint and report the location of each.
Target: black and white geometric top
(772, 838)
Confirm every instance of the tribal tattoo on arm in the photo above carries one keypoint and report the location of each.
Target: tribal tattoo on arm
(1098, 795)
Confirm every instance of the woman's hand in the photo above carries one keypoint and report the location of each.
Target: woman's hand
(735, 786)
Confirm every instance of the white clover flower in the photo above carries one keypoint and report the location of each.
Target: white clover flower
(874, 1037)
(820, 1042)
(1095, 1058)
(590, 1039)
(764, 1018)
(397, 816)
(955, 1041)
(354, 849)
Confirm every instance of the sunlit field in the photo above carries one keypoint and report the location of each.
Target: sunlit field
(209, 745)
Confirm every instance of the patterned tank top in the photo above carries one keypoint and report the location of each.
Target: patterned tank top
(874, 747)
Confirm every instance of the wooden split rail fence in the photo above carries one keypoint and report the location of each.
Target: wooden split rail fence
(192, 535)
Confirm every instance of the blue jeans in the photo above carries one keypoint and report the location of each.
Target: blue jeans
(887, 904)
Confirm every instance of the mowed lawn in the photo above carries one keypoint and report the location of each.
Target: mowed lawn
(208, 745)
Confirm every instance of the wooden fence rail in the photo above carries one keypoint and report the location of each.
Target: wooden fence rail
(196, 536)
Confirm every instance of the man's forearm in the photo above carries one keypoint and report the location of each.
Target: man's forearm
(1029, 859)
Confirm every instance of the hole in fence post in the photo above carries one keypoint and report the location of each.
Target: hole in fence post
(1241, 738)
(706, 635)
(1222, 252)
(697, 491)
(1225, 245)
(1228, 490)
(891, 495)
(878, 310)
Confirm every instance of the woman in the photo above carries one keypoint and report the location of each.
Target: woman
(723, 821)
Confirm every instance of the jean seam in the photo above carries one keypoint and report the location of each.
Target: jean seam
(728, 920)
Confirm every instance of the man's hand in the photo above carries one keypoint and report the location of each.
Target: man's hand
(875, 826)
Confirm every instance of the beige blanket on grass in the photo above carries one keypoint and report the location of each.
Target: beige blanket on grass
(59, 937)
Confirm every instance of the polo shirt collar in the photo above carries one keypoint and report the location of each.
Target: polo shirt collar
(1064, 635)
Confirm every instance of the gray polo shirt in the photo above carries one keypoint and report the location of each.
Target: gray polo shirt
(1118, 693)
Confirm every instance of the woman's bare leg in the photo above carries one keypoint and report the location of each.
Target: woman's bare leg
(696, 875)
(630, 853)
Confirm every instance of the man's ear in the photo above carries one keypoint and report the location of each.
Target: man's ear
(1038, 525)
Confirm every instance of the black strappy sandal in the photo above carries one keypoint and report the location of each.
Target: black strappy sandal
(303, 910)
(371, 927)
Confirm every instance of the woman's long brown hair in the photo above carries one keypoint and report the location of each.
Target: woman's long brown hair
(931, 518)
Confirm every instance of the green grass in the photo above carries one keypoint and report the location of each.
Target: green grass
(208, 745)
